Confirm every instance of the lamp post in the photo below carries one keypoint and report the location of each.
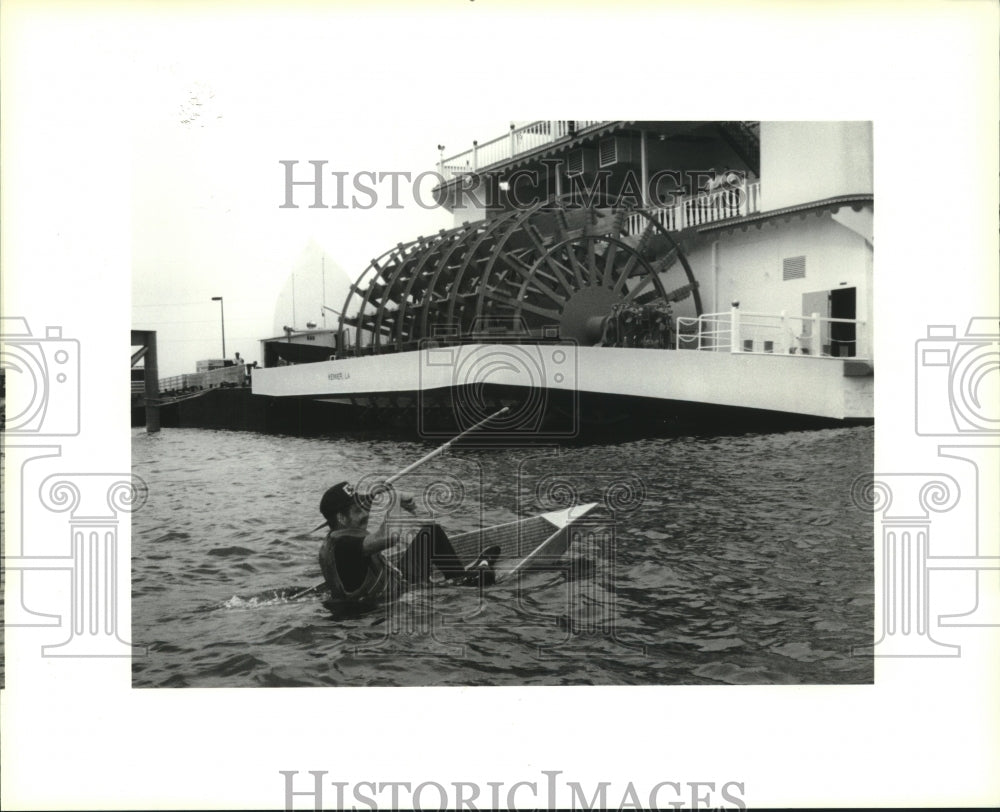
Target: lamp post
(222, 316)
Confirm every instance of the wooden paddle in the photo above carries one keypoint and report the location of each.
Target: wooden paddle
(404, 472)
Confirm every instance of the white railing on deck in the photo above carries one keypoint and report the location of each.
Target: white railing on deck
(702, 208)
(518, 141)
(740, 331)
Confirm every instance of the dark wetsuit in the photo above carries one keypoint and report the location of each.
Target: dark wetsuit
(350, 561)
(352, 575)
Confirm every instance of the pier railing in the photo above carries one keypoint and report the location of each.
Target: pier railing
(702, 208)
(177, 385)
(739, 331)
(519, 140)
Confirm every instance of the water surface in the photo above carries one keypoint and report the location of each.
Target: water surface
(713, 560)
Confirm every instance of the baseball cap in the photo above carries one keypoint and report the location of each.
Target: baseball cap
(339, 498)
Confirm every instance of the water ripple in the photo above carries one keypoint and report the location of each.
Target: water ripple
(744, 563)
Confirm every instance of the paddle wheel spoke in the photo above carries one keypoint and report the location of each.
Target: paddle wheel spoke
(640, 247)
(539, 245)
(632, 294)
(624, 275)
(578, 270)
(525, 271)
(592, 262)
(566, 285)
(545, 290)
(521, 305)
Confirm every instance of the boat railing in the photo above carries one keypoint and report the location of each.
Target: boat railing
(701, 208)
(520, 140)
(172, 384)
(234, 375)
(740, 331)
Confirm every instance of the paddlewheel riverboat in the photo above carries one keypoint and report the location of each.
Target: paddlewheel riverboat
(602, 269)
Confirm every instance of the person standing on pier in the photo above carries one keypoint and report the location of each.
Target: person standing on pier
(242, 365)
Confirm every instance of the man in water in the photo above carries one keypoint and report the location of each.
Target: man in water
(351, 557)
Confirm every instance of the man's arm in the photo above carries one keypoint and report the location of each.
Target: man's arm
(381, 539)
(377, 541)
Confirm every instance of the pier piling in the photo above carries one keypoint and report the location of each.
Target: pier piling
(151, 396)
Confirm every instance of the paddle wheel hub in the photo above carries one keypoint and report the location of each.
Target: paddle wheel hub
(585, 314)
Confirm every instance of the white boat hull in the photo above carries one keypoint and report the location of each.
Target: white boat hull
(821, 387)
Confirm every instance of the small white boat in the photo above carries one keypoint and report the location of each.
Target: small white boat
(523, 543)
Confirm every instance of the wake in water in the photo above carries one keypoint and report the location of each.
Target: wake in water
(578, 568)
(271, 597)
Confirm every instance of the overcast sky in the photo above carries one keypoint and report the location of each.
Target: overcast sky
(207, 189)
